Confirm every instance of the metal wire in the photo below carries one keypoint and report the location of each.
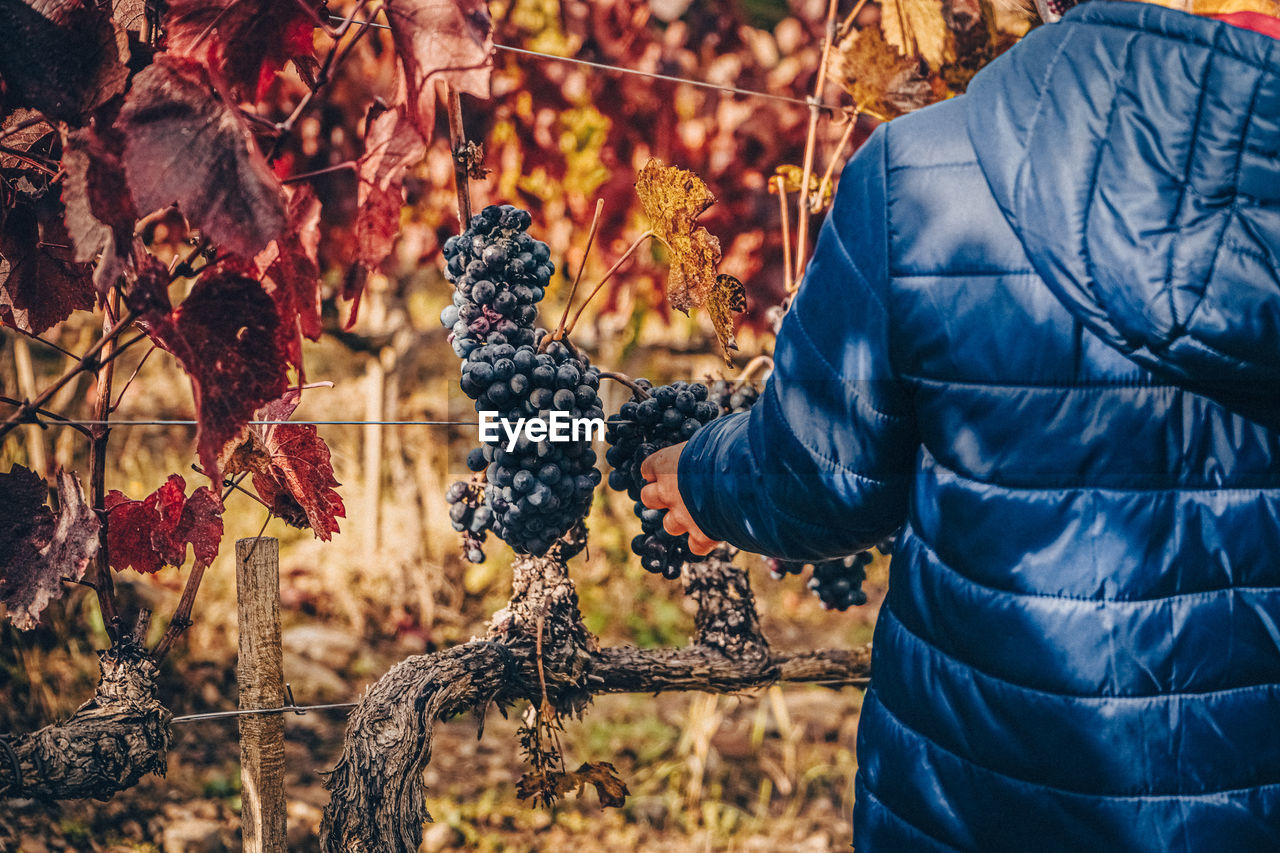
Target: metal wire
(653, 75)
(283, 709)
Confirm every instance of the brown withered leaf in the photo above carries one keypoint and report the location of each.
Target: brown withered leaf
(61, 57)
(100, 212)
(603, 776)
(550, 785)
(39, 549)
(673, 198)
(392, 145)
(441, 42)
(186, 142)
(883, 83)
(728, 297)
(917, 28)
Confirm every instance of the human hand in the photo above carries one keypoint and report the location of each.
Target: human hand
(663, 492)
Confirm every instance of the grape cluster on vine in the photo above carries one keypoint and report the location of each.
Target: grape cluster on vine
(469, 516)
(671, 414)
(535, 491)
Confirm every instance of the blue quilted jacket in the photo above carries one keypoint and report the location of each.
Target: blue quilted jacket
(1041, 332)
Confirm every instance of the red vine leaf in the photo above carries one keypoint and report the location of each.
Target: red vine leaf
(392, 145)
(247, 41)
(292, 471)
(100, 213)
(185, 143)
(61, 57)
(292, 273)
(441, 42)
(40, 283)
(38, 550)
(226, 334)
(152, 533)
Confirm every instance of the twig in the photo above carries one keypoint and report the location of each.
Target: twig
(22, 125)
(573, 324)
(88, 362)
(348, 165)
(100, 435)
(232, 485)
(461, 168)
(68, 353)
(22, 157)
(48, 414)
(787, 277)
(754, 367)
(332, 60)
(847, 23)
(623, 379)
(146, 355)
(850, 126)
(811, 139)
(591, 236)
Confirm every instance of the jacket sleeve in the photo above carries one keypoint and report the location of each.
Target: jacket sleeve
(820, 467)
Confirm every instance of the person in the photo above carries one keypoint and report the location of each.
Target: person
(1040, 333)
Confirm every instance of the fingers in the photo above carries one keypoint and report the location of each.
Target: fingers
(678, 521)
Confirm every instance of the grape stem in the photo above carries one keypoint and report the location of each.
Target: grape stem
(623, 379)
(757, 365)
(787, 277)
(811, 139)
(591, 236)
(851, 123)
(457, 146)
(573, 324)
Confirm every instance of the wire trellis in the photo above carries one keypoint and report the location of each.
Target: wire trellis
(652, 75)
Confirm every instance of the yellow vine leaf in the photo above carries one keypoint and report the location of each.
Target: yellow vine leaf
(673, 199)
(917, 28)
(792, 176)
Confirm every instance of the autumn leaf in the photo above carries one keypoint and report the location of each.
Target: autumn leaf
(917, 28)
(185, 143)
(792, 176)
(40, 282)
(100, 214)
(728, 297)
(291, 468)
(550, 785)
(392, 145)
(152, 533)
(882, 82)
(441, 42)
(226, 334)
(38, 550)
(61, 57)
(291, 273)
(247, 41)
(602, 776)
(673, 199)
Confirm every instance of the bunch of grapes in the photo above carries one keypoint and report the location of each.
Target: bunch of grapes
(469, 516)
(837, 583)
(671, 414)
(499, 274)
(535, 491)
(538, 489)
(732, 397)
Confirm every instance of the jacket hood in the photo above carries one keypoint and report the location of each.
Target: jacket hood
(1135, 150)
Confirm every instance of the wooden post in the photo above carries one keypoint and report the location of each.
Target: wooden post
(260, 677)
